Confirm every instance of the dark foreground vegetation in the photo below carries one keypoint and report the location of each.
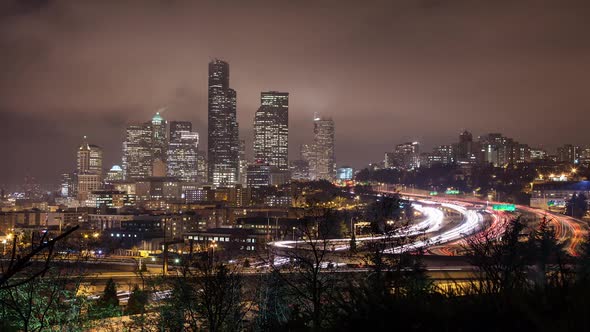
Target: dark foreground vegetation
(524, 281)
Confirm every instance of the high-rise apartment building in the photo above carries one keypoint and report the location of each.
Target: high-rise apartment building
(271, 130)
(182, 155)
(223, 143)
(404, 156)
(499, 150)
(441, 155)
(568, 153)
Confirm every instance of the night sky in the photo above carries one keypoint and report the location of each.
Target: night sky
(386, 71)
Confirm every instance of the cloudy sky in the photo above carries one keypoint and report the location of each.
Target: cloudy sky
(386, 71)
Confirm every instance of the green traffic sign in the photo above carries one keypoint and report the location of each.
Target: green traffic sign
(504, 207)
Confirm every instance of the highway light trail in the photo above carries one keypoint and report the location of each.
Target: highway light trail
(432, 223)
(472, 221)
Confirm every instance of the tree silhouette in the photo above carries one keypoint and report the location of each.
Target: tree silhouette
(138, 299)
(577, 206)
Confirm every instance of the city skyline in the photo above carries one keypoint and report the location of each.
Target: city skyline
(454, 79)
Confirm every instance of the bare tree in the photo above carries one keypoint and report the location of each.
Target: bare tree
(308, 269)
(206, 295)
(39, 289)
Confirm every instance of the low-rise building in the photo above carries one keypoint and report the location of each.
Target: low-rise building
(554, 195)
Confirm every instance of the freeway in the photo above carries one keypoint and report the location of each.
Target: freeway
(569, 231)
(432, 230)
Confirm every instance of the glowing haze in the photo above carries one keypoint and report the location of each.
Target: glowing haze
(386, 71)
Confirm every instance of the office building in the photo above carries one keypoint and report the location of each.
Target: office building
(137, 156)
(115, 174)
(89, 170)
(182, 155)
(322, 163)
(271, 130)
(223, 143)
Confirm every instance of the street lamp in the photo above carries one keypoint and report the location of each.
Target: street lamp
(213, 245)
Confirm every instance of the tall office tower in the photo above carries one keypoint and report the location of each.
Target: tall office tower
(89, 161)
(158, 143)
(323, 166)
(243, 163)
(137, 155)
(183, 152)
(271, 130)
(89, 158)
(223, 145)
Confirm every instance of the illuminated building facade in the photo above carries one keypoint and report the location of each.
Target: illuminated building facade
(182, 162)
(322, 163)
(344, 173)
(258, 175)
(271, 130)
(223, 143)
(158, 138)
(499, 150)
(405, 156)
(137, 156)
(68, 185)
(114, 174)
(89, 162)
(243, 163)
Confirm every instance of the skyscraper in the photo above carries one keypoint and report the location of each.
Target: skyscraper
(89, 162)
(323, 165)
(183, 152)
(137, 157)
(144, 149)
(158, 144)
(89, 158)
(223, 145)
(271, 130)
